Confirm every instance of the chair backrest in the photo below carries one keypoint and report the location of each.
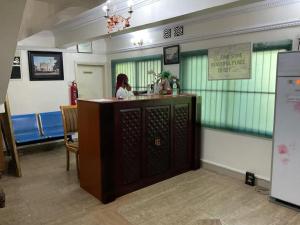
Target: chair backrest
(70, 117)
(25, 124)
(51, 120)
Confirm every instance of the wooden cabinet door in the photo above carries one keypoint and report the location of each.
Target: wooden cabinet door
(181, 129)
(131, 142)
(157, 140)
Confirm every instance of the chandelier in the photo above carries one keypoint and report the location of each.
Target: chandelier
(117, 22)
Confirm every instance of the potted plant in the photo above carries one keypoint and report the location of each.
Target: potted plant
(165, 87)
(163, 82)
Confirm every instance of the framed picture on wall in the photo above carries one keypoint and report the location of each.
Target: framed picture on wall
(86, 47)
(16, 68)
(45, 66)
(171, 55)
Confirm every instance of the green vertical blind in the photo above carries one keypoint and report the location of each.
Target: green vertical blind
(137, 70)
(238, 105)
(143, 76)
(128, 68)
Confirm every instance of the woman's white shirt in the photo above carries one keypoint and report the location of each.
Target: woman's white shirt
(123, 93)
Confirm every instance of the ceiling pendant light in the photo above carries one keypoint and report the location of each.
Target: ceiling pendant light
(117, 22)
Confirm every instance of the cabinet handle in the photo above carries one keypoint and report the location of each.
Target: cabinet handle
(157, 141)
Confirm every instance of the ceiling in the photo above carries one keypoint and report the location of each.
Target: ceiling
(147, 14)
(74, 21)
(44, 14)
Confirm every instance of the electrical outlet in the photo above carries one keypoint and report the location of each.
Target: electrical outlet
(250, 179)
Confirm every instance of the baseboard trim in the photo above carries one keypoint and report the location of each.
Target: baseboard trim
(234, 174)
(284, 204)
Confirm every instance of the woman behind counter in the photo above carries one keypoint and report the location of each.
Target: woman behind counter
(123, 89)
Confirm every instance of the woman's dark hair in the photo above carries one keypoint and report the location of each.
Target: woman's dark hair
(121, 78)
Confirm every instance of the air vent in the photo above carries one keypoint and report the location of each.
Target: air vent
(178, 31)
(167, 33)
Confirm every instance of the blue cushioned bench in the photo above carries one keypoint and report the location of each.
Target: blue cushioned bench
(52, 125)
(26, 129)
(37, 128)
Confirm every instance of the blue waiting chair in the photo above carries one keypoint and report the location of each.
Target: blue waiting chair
(26, 129)
(52, 125)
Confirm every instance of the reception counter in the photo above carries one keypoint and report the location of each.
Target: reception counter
(128, 144)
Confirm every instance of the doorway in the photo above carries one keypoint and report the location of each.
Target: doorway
(90, 81)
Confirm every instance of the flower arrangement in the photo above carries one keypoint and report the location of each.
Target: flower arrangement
(161, 82)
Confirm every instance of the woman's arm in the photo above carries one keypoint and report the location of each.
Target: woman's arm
(128, 87)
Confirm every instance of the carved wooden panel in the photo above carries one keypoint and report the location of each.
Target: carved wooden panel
(131, 144)
(181, 118)
(157, 139)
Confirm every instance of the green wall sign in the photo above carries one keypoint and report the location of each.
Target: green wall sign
(230, 62)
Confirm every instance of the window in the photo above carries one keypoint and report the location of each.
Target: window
(238, 105)
(129, 69)
(137, 70)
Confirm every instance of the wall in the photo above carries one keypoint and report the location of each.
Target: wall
(233, 151)
(43, 96)
(11, 13)
(43, 39)
(2, 110)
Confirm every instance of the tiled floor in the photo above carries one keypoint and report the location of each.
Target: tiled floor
(49, 195)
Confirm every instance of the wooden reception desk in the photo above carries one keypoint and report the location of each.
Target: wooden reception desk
(128, 144)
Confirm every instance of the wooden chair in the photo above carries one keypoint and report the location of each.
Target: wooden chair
(70, 117)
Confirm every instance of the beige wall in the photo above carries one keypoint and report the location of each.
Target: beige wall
(43, 96)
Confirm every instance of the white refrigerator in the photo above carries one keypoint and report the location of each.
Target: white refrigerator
(285, 180)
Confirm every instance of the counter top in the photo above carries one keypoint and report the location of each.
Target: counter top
(136, 98)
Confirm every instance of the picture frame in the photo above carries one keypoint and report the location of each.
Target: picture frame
(45, 66)
(171, 55)
(86, 47)
(16, 69)
(230, 62)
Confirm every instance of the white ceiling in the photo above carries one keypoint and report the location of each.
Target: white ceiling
(44, 14)
(73, 21)
(147, 14)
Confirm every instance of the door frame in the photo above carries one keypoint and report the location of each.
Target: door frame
(103, 65)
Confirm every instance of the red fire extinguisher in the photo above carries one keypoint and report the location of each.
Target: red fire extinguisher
(73, 93)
